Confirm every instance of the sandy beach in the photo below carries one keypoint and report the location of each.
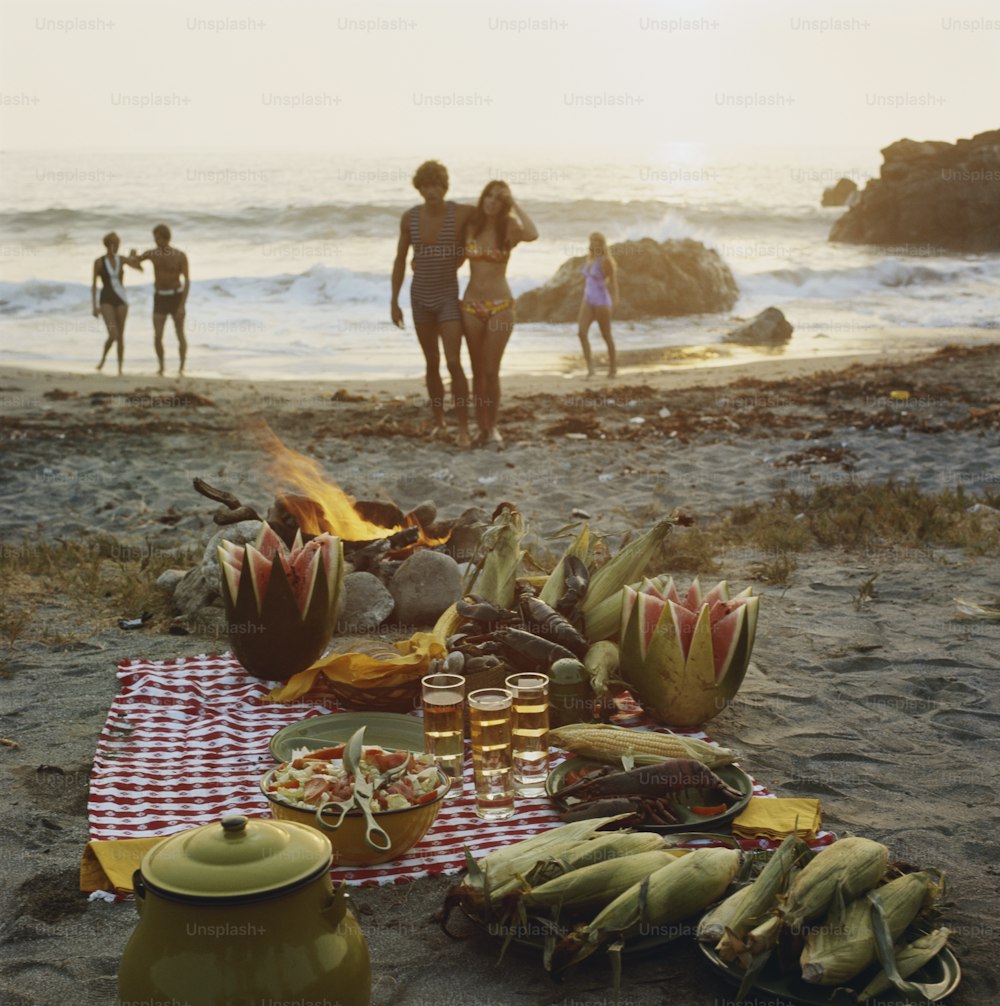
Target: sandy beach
(866, 690)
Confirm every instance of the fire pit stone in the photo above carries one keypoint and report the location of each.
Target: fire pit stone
(366, 604)
(424, 586)
(200, 586)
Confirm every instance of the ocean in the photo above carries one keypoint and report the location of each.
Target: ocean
(291, 256)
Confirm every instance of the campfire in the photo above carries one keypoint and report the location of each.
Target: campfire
(374, 532)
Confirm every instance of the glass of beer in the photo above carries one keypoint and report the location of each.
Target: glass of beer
(492, 757)
(530, 728)
(444, 723)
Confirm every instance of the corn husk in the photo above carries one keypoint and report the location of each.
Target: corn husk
(591, 887)
(673, 893)
(555, 584)
(607, 743)
(598, 849)
(500, 557)
(909, 958)
(601, 605)
(762, 899)
(600, 663)
(844, 945)
(851, 866)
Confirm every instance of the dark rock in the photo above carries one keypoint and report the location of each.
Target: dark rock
(930, 195)
(424, 586)
(366, 604)
(655, 280)
(769, 328)
(465, 534)
(841, 194)
(201, 586)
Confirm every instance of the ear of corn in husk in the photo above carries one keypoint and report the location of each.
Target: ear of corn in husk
(601, 662)
(500, 547)
(595, 850)
(592, 886)
(607, 743)
(601, 605)
(555, 585)
(712, 926)
(844, 945)
(763, 897)
(851, 866)
(909, 958)
(674, 892)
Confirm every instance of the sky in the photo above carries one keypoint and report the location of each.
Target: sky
(589, 79)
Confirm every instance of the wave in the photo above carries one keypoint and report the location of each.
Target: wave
(890, 273)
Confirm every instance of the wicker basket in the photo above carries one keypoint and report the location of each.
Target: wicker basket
(395, 699)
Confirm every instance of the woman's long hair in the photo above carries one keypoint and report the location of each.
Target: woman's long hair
(478, 219)
(599, 239)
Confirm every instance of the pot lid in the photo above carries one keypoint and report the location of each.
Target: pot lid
(236, 857)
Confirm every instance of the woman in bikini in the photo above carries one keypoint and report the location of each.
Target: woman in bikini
(488, 305)
(113, 304)
(600, 293)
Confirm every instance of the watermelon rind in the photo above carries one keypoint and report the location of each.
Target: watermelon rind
(700, 667)
(729, 627)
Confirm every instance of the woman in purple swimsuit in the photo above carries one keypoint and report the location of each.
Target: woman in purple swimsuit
(600, 294)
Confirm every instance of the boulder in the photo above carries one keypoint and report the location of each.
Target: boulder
(424, 586)
(930, 195)
(840, 194)
(655, 280)
(365, 605)
(769, 328)
(201, 585)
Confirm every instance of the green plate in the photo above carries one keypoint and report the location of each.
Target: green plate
(392, 731)
(943, 969)
(689, 821)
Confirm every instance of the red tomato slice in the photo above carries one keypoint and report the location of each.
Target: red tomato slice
(424, 798)
(385, 760)
(708, 811)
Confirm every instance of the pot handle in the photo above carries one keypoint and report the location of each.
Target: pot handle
(139, 887)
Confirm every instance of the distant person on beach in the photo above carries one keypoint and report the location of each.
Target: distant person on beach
(169, 294)
(600, 294)
(113, 304)
(488, 305)
(432, 231)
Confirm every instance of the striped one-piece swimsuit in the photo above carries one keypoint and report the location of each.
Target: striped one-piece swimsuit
(434, 291)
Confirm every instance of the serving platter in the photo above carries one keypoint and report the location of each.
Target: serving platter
(392, 731)
(942, 971)
(688, 820)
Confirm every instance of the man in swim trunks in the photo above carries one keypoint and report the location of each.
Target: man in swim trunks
(169, 294)
(434, 232)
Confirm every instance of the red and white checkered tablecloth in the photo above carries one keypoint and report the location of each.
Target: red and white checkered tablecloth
(186, 742)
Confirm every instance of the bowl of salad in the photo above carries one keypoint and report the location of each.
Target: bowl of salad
(317, 789)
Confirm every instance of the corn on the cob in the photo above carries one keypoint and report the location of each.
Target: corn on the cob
(601, 604)
(593, 886)
(596, 850)
(601, 663)
(712, 926)
(845, 944)
(555, 585)
(501, 546)
(674, 892)
(607, 743)
(909, 958)
(852, 866)
(763, 898)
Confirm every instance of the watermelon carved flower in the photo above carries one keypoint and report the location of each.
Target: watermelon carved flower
(281, 604)
(685, 658)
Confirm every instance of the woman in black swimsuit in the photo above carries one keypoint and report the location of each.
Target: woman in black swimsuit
(113, 305)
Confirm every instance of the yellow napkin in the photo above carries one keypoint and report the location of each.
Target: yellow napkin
(108, 866)
(775, 818)
(415, 655)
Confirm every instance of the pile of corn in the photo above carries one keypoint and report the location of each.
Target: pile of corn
(588, 890)
(824, 911)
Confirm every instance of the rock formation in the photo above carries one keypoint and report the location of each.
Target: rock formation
(841, 194)
(769, 328)
(930, 195)
(654, 279)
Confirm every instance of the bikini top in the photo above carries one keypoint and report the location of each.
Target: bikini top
(475, 252)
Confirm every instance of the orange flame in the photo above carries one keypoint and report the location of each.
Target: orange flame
(326, 507)
(337, 508)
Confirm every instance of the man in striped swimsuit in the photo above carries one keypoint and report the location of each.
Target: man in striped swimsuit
(434, 232)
